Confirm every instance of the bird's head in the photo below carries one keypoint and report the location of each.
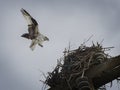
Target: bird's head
(26, 36)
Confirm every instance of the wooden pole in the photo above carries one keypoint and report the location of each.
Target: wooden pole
(105, 72)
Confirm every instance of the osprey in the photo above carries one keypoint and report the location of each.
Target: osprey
(33, 31)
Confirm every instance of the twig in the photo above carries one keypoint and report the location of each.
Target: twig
(87, 39)
(68, 84)
(43, 74)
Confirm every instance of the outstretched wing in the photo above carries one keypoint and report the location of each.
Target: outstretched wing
(29, 18)
(33, 44)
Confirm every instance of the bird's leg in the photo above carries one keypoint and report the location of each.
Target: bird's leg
(40, 44)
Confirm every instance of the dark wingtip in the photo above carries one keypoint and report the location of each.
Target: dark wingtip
(24, 12)
(21, 9)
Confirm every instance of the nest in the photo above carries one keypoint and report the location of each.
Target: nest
(75, 63)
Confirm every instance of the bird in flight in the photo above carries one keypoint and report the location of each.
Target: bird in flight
(33, 31)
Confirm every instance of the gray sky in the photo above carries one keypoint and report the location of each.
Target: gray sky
(62, 21)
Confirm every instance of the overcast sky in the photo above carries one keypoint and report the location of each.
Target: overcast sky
(62, 21)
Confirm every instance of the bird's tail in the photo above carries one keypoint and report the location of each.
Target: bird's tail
(46, 38)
